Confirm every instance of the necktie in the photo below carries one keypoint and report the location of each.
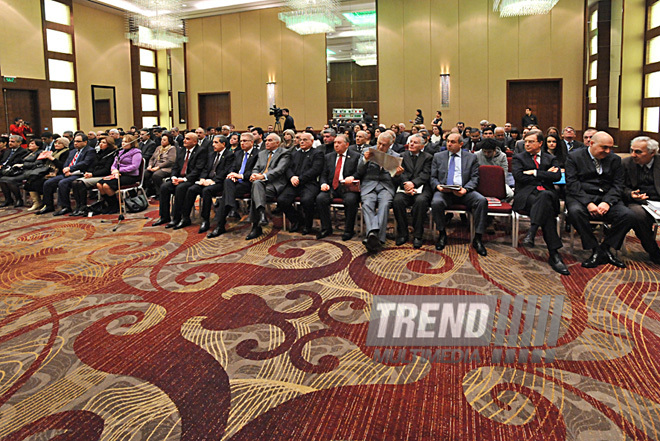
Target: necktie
(270, 155)
(570, 145)
(185, 164)
(599, 169)
(414, 159)
(215, 164)
(242, 170)
(75, 158)
(335, 180)
(536, 162)
(11, 153)
(450, 170)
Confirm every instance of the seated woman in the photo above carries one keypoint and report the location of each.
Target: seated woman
(48, 165)
(125, 171)
(160, 165)
(557, 148)
(10, 184)
(234, 144)
(288, 137)
(104, 161)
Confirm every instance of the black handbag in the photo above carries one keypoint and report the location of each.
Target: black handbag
(135, 203)
(37, 172)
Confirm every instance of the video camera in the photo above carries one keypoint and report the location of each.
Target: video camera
(276, 112)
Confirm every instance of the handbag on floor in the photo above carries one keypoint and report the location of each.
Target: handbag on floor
(135, 203)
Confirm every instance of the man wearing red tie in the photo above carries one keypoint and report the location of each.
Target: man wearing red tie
(535, 172)
(338, 172)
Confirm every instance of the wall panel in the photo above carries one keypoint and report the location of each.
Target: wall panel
(21, 39)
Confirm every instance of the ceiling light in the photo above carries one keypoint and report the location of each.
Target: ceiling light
(512, 8)
(311, 16)
(156, 24)
(365, 18)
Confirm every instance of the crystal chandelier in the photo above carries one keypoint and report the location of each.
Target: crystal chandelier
(311, 16)
(512, 8)
(158, 25)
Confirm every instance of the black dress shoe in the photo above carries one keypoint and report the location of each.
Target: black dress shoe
(401, 240)
(172, 224)
(417, 242)
(75, 212)
(183, 224)
(373, 243)
(234, 214)
(216, 232)
(7, 203)
(442, 241)
(19, 203)
(263, 220)
(305, 230)
(613, 260)
(478, 245)
(348, 235)
(596, 258)
(528, 241)
(45, 209)
(294, 227)
(160, 221)
(254, 233)
(323, 233)
(204, 227)
(63, 211)
(558, 265)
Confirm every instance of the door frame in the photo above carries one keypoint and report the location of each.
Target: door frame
(536, 80)
(199, 104)
(43, 101)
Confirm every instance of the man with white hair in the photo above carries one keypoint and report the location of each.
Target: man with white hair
(642, 183)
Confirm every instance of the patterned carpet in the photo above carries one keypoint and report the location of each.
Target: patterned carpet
(154, 334)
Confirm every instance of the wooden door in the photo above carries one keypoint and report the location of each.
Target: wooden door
(543, 96)
(214, 109)
(21, 103)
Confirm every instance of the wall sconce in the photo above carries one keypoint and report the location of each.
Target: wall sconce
(444, 89)
(270, 93)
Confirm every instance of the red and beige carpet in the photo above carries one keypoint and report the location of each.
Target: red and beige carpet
(154, 334)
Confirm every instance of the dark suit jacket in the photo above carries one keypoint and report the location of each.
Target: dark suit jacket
(419, 174)
(17, 157)
(469, 170)
(359, 149)
(147, 148)
(222, 168)
(306, 165)
(279, 162)
(196, 163)
(206, 144)
(85, 162)
(631, 180)
(576, 145)
(585, 185)
(350, 166)
(525, 184)
(471, 147)
(249, 165)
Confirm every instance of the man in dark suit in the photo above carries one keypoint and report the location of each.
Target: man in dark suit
(361, 143)
(210, 183)
(14, 154)
(258, 134)
(594, 184)
(302, 175)
(80, 160)
(377, 191)
(402, 137)
(188, 167)
(535, 173)
(147, 145)
(475, 139)
(202, 140)
(529, 119)
(236, 184)
(328, 140)
(339, 171)
(288, 120)
(414, 190)
(641, 184)
(456, 166)
(568, 136)
(268, 181)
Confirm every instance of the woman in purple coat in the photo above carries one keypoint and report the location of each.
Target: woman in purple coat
(124, 171)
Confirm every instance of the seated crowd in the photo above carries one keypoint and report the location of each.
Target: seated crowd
(437, 170)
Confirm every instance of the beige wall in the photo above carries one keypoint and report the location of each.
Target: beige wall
(631, 60)
(420, 39)
(178, 83)
(239, 53)
(21, 40)
(102, 58)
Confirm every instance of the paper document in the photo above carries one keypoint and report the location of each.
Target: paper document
(388, 162)
(653, 212)
(418, 190)
(451, 187)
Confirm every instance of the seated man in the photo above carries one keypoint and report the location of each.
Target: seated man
(81, 159)
(642, 183)
(236, 184)
(10, 156)
(210, 183)
(268, 181)
(455, 166)
(414, 190)
(490, 154)
(377, 190)
(535, 173)
(302, 181)
(594, 184)
(188, 167)
(339, 170)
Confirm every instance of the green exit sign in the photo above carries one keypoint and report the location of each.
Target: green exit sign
(9, 79)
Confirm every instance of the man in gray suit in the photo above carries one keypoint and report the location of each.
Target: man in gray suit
(268, 180)
(455, 166)
(377, 190)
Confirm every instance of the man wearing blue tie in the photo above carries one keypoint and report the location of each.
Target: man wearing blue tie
(460, 169)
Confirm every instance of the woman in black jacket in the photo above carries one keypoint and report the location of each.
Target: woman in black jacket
(10, 183)
(104, 160)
